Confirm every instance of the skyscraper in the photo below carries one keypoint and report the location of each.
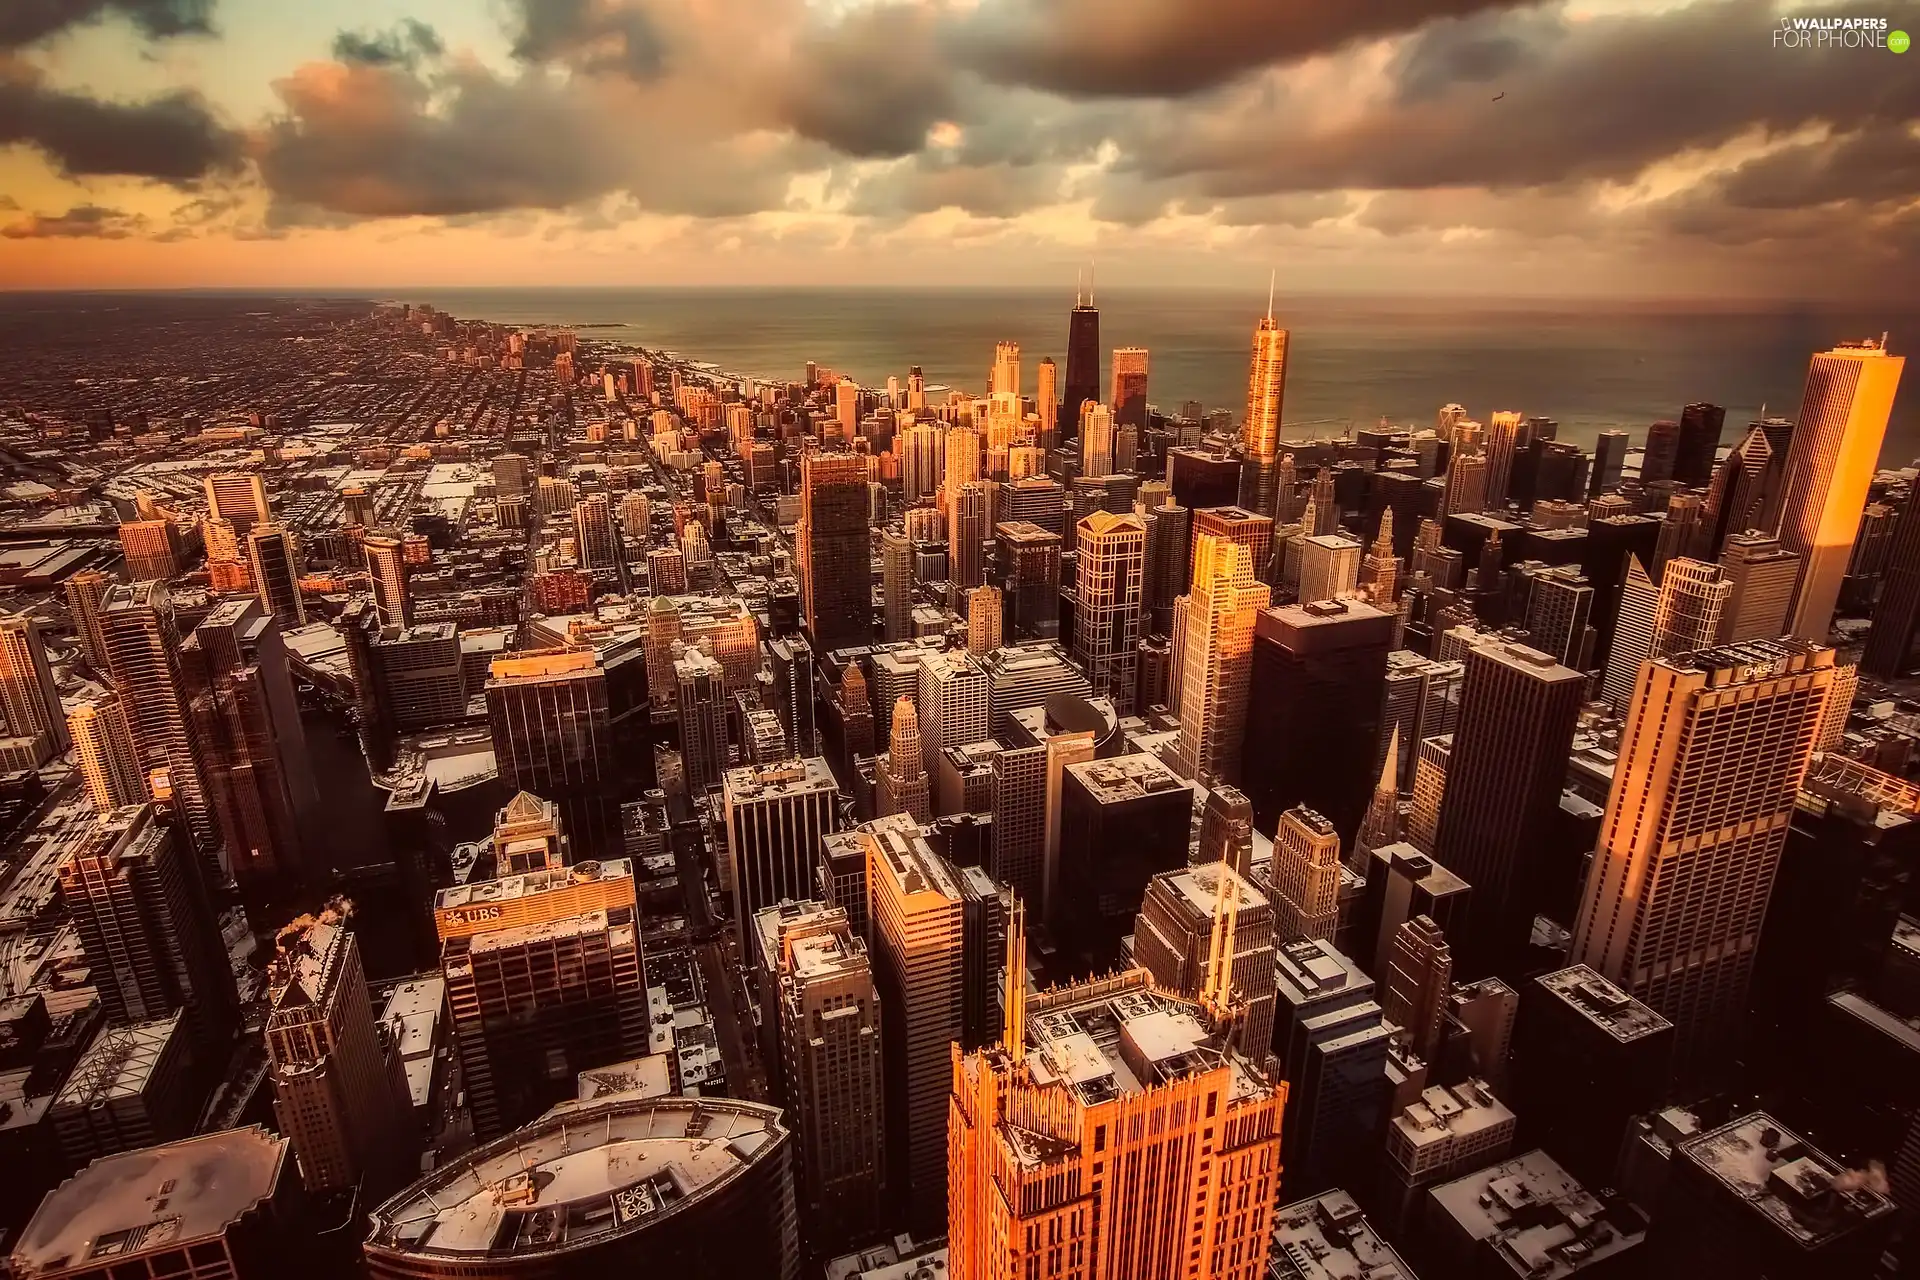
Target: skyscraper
(1083, 359)
(1122, 821)
(240, 497)
(1508, 766)
(387, 574)
(1046, 401)
(1414, 988)
(1502, 443)
(1699, 444)
(1106, 625)
(1096, 440)
(152, 549)
(832, 549)
(1760, 576)
(1896, 616)
(1028, 574)
(1329, 568)
(276, 574)
(1836, 444)
(1632, 634)
(918, 964)
(1710, 763)
(143, 915)
(1260, 433)
(896, 582)
(544, 980)
(776, 816)
(338, 1094)
(985, 610)
(903, 784)
(829, 1030)
(702, 703)
(1166, 1201)
(1661, 451)
(1733, 498)
(1305, 876)
(1693, 594)
(1216, 659)
(27, 692)
(596, 542)
(1181, 927)
(85, 591)
(953, 704)
(103, 746)
(1129, 398)
(143, 666)
(552, 735)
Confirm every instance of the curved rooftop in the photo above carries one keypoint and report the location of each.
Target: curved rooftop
(581, 1176)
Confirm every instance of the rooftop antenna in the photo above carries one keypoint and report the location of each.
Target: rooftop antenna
(1079, 287)
(1272, 277)
(1089, 284)
(1014, 1035)
(1216, 994)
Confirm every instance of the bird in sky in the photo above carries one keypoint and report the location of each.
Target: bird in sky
(1499, 95)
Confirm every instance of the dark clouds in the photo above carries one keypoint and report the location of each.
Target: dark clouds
(597, 36)
(82, 222)
(24, 21)
(870, 85)
(172, 138)
(406, 45)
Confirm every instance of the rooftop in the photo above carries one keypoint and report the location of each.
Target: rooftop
(1115, 1037)
(1311, 969)
(1807, 1197)
(1603, 1004)
(1125, 777)
(1537, 1219)
(788, 777)
(1327, 1238)
(118, 1064)
(527, 884)
(136, 1202)
(581, 1175)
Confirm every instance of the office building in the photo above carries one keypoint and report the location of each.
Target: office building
(917, 931)
(511, 474)
(1558, 602)
(619, 1185)
(1313, 714)
(553, 736)
(1760, 576)
(1677, 892)
(827, 1021)
(1633, 633)
(152, 549)
(1414, 985)
(239, 497)
(1107, 602)
(133, 1086)
(1304, 877)
(1018, 800)
(985, 612)
(1686, 616)
(28, 695)
(419, 675)
(232, 1202)
(544, 980)
(148, 929)
(1332, 1047)
(791, 660)
(702, 702)
(1122, 821)
(904, 785)
(1587, 1058)
(387, 576)
(1835, 447)
(1421, 701)
(1326, 1237)
(1698, 444)
(1447, 1132)
(276, 574)
(143, 668)
(1526, 1217)
(1752, 1197)
(1095, 1059)
(1504, 775)
(1216, 654)
(953, 705)
(1184, 919)
(776, 817)
(896, 582)
(1129, 398)
(1027, 560)
(338, 1091)
(1260, 432)
(1329, 567)
(104, 751)
(831, 547)
(1083, 360)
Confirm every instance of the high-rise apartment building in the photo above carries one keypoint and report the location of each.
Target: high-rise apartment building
(1305, 876)
(776, 816)
(918, 962)
(833, 550)
(1181, 927)
(1216, 659)
(903, 783)
(1502, 443)
(1711, 760)
(28, 695)
(553, 736)
(338, 1091)
(276, 574)
(1046, 401)
(387, 575)
(1129, 398)
(985, 610)
(701, 700)
(1835, 447)
(1508, 765)
(544, 980)
(239, 497)
(1107, 599)
(85, 591)
(596, 541)
(1260, 433)
(896, 582)
(103, 748)
(1108, 1194)
(147, 926)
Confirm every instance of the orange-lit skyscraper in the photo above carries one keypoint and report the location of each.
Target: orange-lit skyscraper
(1260, 434)
(1217, 659)
(1836, 445)
(1106, 630)
(1046, 400)
(1112, 1133)
(1710, 765)
(1129, 398)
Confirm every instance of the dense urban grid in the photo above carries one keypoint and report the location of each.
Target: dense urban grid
(490, 801)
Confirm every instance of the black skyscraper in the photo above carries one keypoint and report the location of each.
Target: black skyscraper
(1897, 617)
(1700, 426)
(1083, 364)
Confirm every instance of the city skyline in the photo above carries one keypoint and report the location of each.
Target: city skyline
(239, 142)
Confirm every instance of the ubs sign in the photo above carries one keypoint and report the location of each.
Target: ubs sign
(470, 915)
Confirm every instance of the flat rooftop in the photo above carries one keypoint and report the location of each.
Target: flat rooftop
(1784, 1179)
(529, 883)
(1603, 1004)
(164, 1197)
(1536, 1218)
(579, 1176)
(1327, 1238)
(118, 1064)
(1125, 777)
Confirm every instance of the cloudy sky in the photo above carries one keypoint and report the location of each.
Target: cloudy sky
(1636, 148)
